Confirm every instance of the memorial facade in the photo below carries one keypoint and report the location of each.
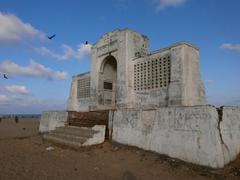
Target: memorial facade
(124, 74)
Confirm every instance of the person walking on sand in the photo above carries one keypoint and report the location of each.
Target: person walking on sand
(16, 119)
(0, 119)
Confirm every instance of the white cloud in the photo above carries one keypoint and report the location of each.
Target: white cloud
(229, 46)
(16, 89)
(26, 101)
(13, 29)
(29, 104)
(83, 50)
(163, 4)
(32, 70)
(4, 99)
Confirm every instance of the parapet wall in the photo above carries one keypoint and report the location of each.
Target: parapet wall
(198, 134)
(230, 131)
(51, 120)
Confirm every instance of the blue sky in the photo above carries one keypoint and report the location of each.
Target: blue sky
(40, 70)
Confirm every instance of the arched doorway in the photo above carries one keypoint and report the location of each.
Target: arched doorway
(108, 81)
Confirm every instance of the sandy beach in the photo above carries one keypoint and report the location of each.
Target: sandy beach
(24, 155)
(26, 127)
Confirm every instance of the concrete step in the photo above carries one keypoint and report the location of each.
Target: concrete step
(69, 137)
(76, 136)
(77, 131)
(63, 141)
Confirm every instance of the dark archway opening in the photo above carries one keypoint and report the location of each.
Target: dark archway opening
(108, 81)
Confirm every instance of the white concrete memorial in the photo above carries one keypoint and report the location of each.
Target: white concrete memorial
(156, 100)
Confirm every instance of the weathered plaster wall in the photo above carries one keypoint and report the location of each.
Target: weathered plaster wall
(98, 136)
(185, 88)
(51, 120)
(192, 85)
(123, 46)
(153, 97)
(188, 133)
(230, 132)
(75, 103)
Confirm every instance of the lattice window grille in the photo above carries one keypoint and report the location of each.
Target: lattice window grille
(152, 73)
(83, 88)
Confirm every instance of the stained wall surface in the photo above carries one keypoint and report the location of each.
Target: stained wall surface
(122, 45)
(50, 120)
(193, 134)
(79, 98)
(168, 77)
(230, 132)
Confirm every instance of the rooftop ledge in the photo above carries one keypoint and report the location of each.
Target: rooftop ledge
(175, 45)
(82, 74)
(169, 47)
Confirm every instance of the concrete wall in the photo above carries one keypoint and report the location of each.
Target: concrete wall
(185, 88)
(193, 90)
(230, 132)
(192, 134)
(75, 103)
(51, 120)
(98, 136)
(153, 97)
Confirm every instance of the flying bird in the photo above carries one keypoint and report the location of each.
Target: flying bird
(50, 37)
(86, 42)
(5, 76)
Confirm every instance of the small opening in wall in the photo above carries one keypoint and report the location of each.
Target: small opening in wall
(107, 85)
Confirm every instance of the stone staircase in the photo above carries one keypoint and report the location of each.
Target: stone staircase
(77, 136)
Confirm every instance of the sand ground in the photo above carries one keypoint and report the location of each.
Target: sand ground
(23, 156)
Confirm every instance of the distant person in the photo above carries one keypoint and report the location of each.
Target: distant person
(16, 119)
(0, 119)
